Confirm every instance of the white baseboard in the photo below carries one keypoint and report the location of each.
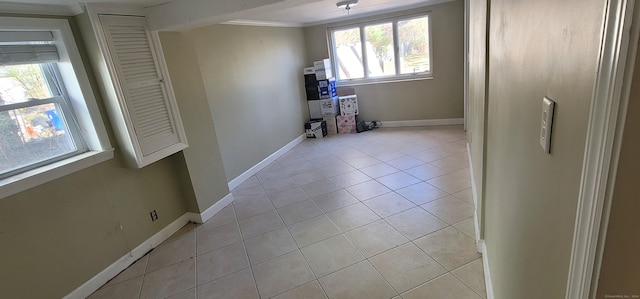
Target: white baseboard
(118, 266)
(211, 211)
(121, 264)
(262, 164)
(422, 122)
(487, 272)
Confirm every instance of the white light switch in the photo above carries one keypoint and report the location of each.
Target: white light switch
(547, 122)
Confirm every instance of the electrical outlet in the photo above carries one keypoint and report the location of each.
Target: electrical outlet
(154, 215)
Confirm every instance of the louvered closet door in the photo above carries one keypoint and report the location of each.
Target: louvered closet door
(138, 74)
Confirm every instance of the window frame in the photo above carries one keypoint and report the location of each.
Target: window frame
(82, 102)
(398, 77)
(74, 134)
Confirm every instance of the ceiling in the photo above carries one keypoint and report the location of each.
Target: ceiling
(75, 2)
(326, 11)
(292, 13)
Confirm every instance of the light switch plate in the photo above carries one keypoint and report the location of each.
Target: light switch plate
(547, 123)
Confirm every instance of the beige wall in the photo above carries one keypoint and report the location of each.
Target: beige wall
(619, 274)
(55, 237)
(438, 98)
(537, 49)
(477, 99)
(253, 81)
(202, 157)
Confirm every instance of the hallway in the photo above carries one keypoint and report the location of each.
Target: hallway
(382, 214)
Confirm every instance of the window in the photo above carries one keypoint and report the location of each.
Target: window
(36, 124)
(391, 49)
(49, 121)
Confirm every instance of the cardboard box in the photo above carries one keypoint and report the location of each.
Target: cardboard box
(309, 71)
(322, 64)
(315, 109)
(312, 92)
(349, 105)
(327, 88)
(330, 107)
(332, 125)
(345, 91)
(310, 80)
(324, 74)
(346, 124)
(316, 129)
(323, 69)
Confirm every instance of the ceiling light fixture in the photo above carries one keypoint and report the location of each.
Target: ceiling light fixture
(347, 4)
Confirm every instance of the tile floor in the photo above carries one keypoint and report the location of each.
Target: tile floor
(381, 214)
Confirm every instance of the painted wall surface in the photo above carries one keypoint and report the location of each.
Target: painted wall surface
(437, 98)
(477, 92)
(55, 237)
(536, 49)
(253, 81)
(202, 157)
(619, 273)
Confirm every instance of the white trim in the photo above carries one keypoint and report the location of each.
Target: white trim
(617, 146)
(39, 9)
(406, 78)
(211, 211)
(477, 216)
(262, 164)
(487, 271)
(110, 9)
(605, 108)
(422, 122)
(118, 266)
(82, 101)
(115, 89)
(50, 172)
(241, 22)
(361, 25)
(467, 25)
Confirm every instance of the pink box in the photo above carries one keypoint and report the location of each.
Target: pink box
(346, 124)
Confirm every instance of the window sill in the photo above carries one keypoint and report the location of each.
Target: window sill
(41, 175)
(382, 81)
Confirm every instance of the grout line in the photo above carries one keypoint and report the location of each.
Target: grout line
(464, 283)
(255, 283)
(371, 264)
(426, 282)
(433, 258)
(383, 277)
(352, 144)
(344, 232)
(322, 288)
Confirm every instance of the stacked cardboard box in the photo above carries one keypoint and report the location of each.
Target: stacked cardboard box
(311, 84)
(316, 129)
(322, 96)
(319, 86)
(348, 114)
(323, 69)
(332, 124)
(327, 88)
(322, 108)
(337, 113)
(349, 105)
(346, 124)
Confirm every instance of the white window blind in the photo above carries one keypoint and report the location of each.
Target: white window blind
(141, 81)
(25, 47)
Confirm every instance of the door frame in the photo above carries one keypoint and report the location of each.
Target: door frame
(606, 122)
(466, 63)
